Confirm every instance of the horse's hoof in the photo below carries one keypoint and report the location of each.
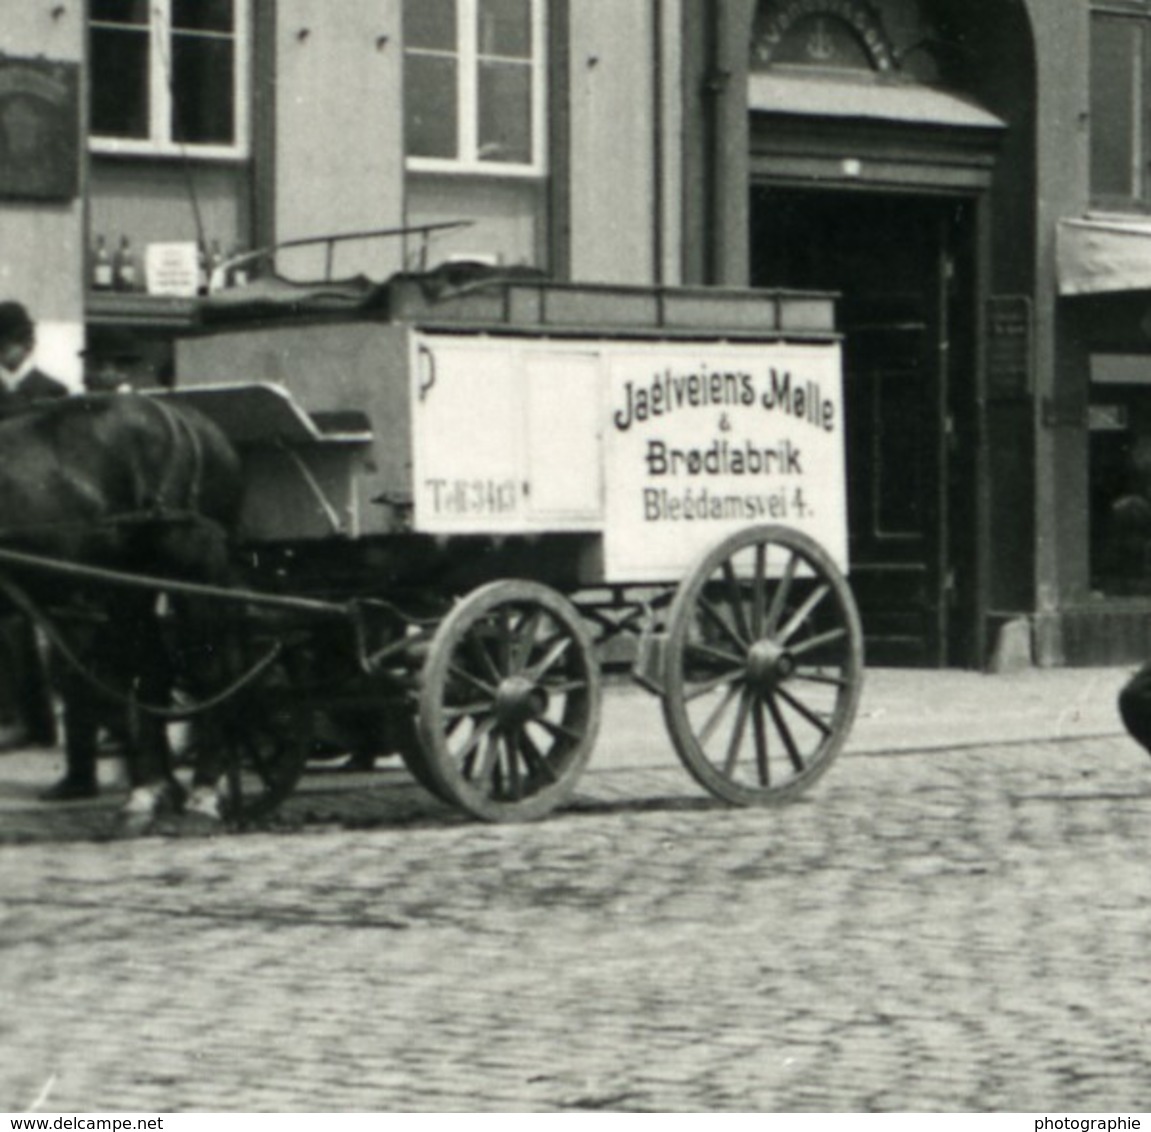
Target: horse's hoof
(147, 808)
(146, 801)
(204, 802)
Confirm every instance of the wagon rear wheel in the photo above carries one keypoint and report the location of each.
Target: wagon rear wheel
(510, 702)
(764, 666)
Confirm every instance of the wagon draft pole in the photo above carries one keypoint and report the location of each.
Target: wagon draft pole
(490, 485)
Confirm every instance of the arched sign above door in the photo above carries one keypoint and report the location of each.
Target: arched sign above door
(822, 33)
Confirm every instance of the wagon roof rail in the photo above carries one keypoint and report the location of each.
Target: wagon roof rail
(329, 242)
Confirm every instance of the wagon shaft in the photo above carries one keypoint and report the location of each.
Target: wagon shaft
(80, 572)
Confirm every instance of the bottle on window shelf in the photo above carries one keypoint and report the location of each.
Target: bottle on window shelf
(124, 274)
(103, 275)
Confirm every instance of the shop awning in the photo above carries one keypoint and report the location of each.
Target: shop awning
(1096, 256)
(824, 97)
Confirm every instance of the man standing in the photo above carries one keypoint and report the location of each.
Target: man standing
(115, 362)
(26, 714)
(22, 382)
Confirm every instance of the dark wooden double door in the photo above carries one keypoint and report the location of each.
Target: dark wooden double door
(903, 266)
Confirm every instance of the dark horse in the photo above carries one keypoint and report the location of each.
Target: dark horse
(128, 483)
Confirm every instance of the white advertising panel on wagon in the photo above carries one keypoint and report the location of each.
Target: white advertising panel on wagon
(704, 440)
(663, 448)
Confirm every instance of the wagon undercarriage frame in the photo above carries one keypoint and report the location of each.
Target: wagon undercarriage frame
(494, 706)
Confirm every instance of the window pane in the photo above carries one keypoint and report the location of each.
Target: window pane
(119, 70)
(505, 112)
(430, 24)
(120, 11)
(203, 15)
(203, 90)
(1119, 464)
(430, 114)
(1114, 51)
(505, 28)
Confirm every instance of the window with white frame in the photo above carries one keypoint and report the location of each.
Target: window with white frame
(474, 85)
(1120, 103)
(169, 76)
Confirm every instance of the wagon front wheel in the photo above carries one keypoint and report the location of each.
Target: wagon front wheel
(268, 750)
(510, 702)
(764, 666)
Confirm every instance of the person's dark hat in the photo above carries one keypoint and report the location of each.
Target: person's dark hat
(15, 323)
(112, 344)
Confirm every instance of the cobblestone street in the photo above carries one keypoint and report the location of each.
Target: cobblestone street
(950, 929)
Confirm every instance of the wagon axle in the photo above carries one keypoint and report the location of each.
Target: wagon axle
(768, 665)
(518, 700)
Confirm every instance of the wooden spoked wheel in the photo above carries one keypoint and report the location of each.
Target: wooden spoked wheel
(510, 702)
(764, 666)
(412, 755)
(268, 745)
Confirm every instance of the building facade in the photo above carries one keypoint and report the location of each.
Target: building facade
(971, 177)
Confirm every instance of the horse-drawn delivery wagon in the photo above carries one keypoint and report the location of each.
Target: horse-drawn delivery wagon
(463, 493)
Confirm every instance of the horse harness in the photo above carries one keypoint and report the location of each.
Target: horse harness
(178, 426)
